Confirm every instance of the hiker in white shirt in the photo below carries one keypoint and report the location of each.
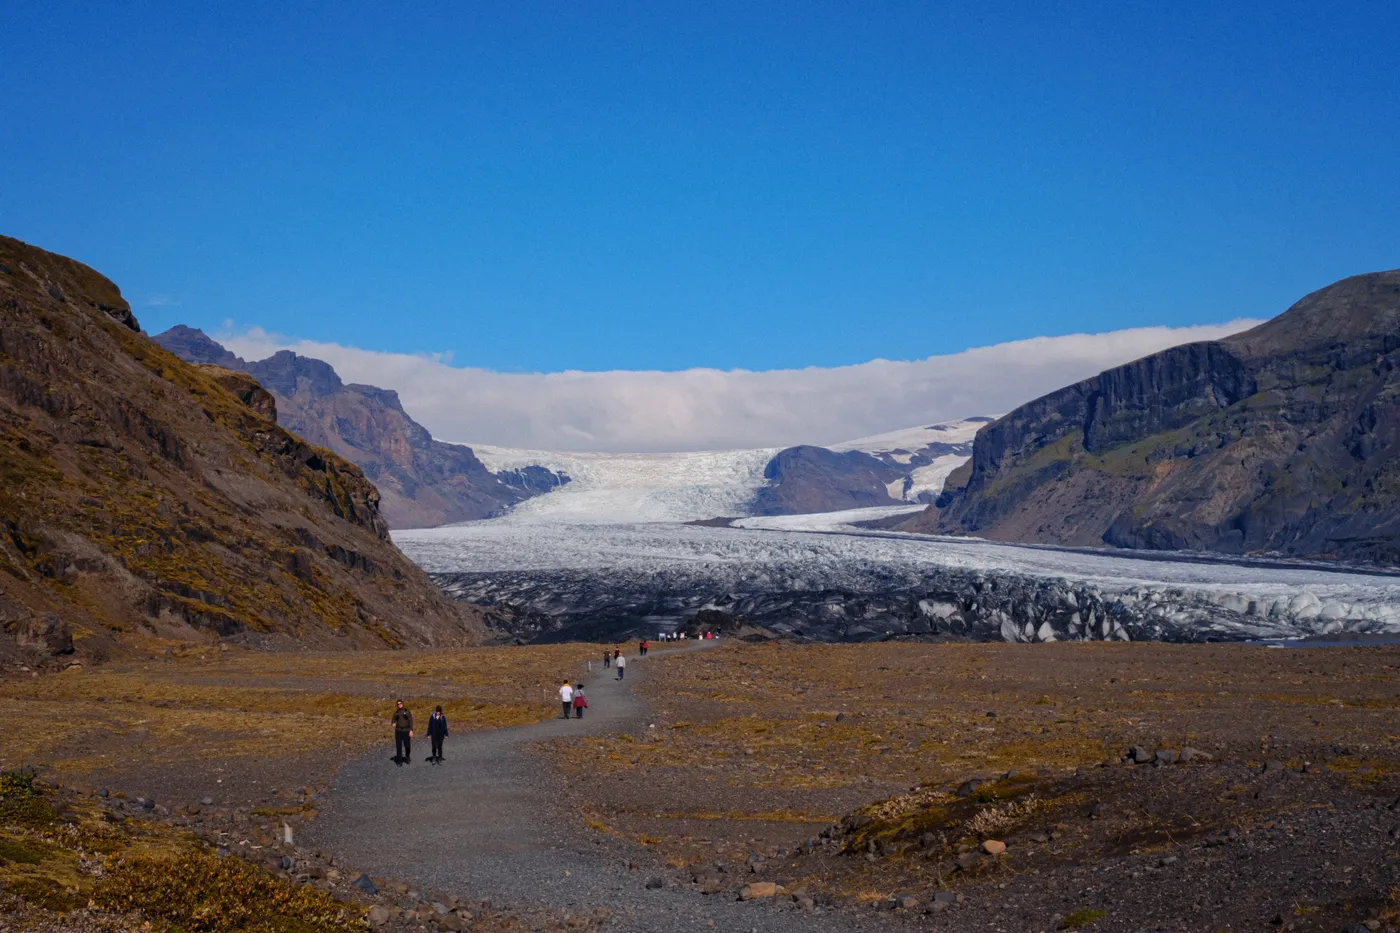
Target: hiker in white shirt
(620, 662)
(566, 697)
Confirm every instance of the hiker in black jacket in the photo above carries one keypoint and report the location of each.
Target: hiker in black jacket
(437, 731)
(403, 734)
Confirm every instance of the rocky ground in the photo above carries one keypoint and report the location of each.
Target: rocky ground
(893, 786)
(885, 780)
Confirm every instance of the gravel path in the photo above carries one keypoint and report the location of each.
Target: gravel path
(486, 824)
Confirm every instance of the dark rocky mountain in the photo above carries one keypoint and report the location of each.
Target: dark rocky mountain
(145, 499)
(891, 469)
(809, 479)
(423, 482)
(1285, 438)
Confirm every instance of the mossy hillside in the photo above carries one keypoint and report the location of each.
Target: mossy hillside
(143, 496)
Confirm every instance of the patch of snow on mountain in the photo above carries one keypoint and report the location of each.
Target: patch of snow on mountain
(930, 479)
(613, 488)
(916, 439)
(935, 451)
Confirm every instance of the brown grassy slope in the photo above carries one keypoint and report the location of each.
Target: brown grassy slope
(143, 497)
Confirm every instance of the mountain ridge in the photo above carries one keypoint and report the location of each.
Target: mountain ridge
(423, 482)
(1284, 438)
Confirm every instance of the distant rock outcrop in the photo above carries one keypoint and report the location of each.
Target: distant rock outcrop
(1285, 438)
(146, 497)
(907, 466)
(814, 479)
(423, 482)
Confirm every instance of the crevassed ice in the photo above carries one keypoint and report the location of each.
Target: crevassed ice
(611, 488)
(843, 558)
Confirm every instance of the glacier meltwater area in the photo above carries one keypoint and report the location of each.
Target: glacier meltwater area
(820, 577)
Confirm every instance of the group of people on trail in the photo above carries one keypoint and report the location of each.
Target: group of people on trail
(617, 659)
(682, 636)
(403, 734)
(573, 698)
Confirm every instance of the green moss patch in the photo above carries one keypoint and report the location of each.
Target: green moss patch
(203, 893)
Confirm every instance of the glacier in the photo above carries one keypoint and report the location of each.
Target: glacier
(613, 554)
(618, 488)
(621, 488)
(823, 577)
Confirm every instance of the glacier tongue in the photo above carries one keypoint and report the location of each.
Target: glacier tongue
(575, 580)
(613, 488)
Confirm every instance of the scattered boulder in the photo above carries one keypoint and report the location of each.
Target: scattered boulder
(1194, 754)
(758, 889)
(970, 861)
(378, 915)
(711, 882)
(994, 847)
(364, 883)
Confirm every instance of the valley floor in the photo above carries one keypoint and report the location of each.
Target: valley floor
(839, 772)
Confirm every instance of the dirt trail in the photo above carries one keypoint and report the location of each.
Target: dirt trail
(486, 824)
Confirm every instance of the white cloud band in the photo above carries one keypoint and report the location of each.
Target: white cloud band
(711, 409)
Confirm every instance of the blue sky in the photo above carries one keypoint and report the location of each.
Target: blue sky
(538, 187)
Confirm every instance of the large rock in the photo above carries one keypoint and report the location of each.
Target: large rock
(47, 634)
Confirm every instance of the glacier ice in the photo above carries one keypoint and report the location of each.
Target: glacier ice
(823, 578)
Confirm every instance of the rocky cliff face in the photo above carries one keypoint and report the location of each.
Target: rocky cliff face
(423, 482)
(1285, 439)
(146, 497)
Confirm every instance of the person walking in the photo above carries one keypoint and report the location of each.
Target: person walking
(621, 660)
(580, 701)
(642, 649)
(437, 731)
(403, 734)
(607, 657)
(566, 698)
